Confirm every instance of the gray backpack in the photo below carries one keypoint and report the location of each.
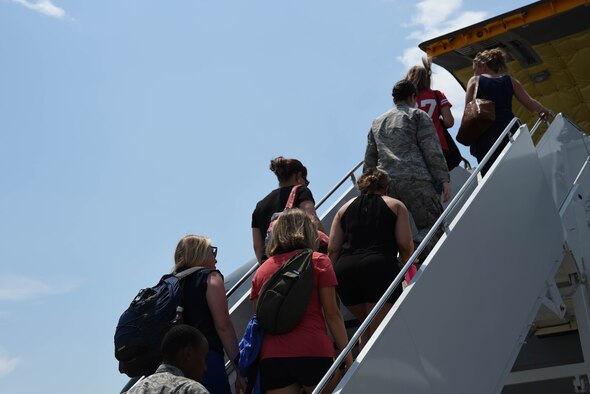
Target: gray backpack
(284, 297)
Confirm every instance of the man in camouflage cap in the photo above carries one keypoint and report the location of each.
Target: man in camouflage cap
(403, 143)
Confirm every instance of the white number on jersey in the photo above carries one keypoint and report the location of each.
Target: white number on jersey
(429, 104)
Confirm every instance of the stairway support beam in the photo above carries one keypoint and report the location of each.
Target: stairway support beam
(583, 321)
(554, 302)
(549, 373)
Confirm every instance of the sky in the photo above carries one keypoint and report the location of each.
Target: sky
(127, 124)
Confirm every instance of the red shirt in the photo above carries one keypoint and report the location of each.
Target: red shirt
(310, 338)
(427, 102)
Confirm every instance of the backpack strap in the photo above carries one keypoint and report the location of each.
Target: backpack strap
(187, 272)
(291, 200)
(278, 273)
(183, 274)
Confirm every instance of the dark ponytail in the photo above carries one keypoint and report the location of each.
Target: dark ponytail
(286, 168)
(373, 181)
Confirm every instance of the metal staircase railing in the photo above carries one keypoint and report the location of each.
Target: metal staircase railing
(244, 278)
(349, 174)
(400, 277)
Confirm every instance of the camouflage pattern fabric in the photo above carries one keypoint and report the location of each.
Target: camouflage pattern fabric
(168, 380)
(424, 204)
(403, 143)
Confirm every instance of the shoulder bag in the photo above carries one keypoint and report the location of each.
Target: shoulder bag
(478, 117)
(452, 154)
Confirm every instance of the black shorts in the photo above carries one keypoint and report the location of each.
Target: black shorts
(364, 277)
(276, 373)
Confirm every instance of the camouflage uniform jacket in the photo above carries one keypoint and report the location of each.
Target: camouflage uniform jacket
(403, 143)
(168, 380)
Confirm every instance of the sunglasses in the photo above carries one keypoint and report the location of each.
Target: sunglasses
(214, 250)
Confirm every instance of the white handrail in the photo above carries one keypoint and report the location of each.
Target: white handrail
(319, 204)
(398, 279)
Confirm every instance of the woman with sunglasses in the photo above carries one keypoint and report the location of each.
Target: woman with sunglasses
(205, 307)
(289, 172)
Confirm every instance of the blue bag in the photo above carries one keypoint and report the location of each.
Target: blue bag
(142, 326)
(250, 347)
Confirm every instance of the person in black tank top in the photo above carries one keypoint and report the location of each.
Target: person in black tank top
(495, 85)
(366, 236)
(205, 307)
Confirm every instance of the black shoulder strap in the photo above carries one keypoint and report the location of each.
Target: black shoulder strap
(278, 273)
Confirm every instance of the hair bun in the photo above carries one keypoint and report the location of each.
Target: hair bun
(277, 165)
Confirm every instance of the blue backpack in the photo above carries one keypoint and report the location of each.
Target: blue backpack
(142, 326)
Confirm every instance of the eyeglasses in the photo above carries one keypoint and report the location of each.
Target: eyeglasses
(306, 181)
(214, 250)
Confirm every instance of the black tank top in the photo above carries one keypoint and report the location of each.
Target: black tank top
(196, 309)
(369, 226)
(500, 91)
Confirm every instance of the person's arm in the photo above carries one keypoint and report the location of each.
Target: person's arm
(446, 186)
(403, 230)
(334, 320)
(447, 116)
(429, 144)
(254, 292)
(258, 244)
(526, 100)
(370, 152)
(470, 90)
(309, 208)
(217, 302)
(336, 237)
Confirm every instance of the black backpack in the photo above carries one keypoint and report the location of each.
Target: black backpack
(452, 155)
(284, 297)
(142, 326)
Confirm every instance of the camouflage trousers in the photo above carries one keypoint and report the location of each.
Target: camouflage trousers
(425, 207)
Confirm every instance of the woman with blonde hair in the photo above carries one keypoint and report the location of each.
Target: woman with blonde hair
(366, 236)
(434, 103)
(205, 307)
(298, 360)
(490, 74)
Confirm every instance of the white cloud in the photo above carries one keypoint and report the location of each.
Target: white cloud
(20, 288)
(434, 18)
(411, 57)
(435, 12)
(465, 19)
(7, 364)
(45, 7)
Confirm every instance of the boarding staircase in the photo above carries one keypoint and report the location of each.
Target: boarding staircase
(510, 269)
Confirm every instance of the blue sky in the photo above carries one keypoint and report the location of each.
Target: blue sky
(125, 125)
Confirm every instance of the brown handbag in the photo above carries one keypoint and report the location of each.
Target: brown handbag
(478, 117)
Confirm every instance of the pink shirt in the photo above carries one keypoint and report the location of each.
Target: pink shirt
(310, 338)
